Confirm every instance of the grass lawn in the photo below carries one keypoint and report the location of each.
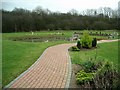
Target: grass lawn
(38, 34)
(107, 51)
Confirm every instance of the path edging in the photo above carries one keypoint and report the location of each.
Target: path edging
(67, 85)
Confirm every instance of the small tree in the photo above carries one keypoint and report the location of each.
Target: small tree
(78, 44)
(86, 40)
(94, 42)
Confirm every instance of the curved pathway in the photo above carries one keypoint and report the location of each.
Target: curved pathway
(51, 70)
(103, 41)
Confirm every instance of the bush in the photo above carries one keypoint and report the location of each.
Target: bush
(75, 48)
(86, 40)
(88, 66)
(79, 44)
(94, 42)
(105, 75)
(82, 77)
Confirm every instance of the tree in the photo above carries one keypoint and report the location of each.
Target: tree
(78, 44)
(94, 42)
(73, 12)
(86, 40)
(20, 20)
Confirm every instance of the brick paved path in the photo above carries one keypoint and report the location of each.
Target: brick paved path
(50, 71)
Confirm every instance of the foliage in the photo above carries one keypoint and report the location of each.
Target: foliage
(88, 65)
(105, 76)
(82, 77)
(101, 25)
(86, 40)
(94, 42)
(20, 20)
(75, 48)
(78, 44)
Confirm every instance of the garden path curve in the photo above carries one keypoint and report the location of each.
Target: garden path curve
(104, 41)
(51, 70)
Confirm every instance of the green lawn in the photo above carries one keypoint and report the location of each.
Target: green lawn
(106, 51)
(38, 34)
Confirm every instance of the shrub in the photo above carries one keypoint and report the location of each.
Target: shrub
(75, 48)
(79, 44)
(82, 77)
(106, 76)
(88, 66)
(94, 42)
(86, 40)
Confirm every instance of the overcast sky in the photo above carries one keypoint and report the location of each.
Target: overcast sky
(59, 5)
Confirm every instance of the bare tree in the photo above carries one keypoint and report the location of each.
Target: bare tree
(73, 12)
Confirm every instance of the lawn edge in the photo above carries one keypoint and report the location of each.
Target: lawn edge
(69, 73)
(7, 86)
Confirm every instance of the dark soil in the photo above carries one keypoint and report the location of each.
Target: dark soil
(85, 49)
(75, 69)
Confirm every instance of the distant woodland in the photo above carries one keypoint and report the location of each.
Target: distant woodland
(22, 20)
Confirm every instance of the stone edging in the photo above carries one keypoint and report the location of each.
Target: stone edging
(69, 72)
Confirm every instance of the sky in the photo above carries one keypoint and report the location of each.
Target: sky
(59, 5)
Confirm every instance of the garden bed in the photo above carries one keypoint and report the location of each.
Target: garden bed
(105, 76)
(39, 38)
(102, 77)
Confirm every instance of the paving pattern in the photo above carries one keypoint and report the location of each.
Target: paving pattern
(50, 71)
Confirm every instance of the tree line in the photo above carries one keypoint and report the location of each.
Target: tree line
(22, 20)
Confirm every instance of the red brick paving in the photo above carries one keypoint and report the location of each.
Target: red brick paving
(50, 71)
